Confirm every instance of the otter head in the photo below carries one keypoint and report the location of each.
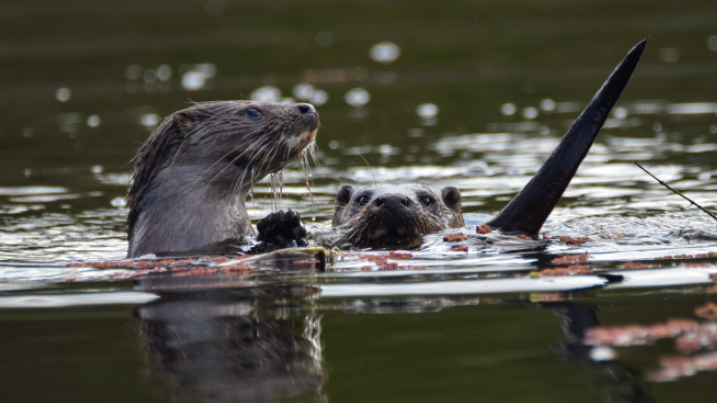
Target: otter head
(193, 172)
(395, 214)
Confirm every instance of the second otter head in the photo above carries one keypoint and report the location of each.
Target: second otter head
(395, 214)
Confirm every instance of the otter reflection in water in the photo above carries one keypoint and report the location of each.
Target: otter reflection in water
(216, 345)
(193, 173)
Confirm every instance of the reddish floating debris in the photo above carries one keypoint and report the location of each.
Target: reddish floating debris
(672, 368)
(236, 268)
(697, 265)
(391, 266)
(483, 229)
(454, 238)
(637, 335)
(521, 236)
(571, 259)
(459, 248)
(306, 261)
(399, 256)
(707, 311)
(636, 265)
(566, 271)
(568, 239)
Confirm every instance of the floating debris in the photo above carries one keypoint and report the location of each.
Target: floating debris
(571, 259)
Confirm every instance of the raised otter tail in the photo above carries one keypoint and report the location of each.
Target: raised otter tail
(528, 210)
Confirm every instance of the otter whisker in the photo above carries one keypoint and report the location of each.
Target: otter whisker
(230, 152)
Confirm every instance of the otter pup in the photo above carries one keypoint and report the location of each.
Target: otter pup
(192, 174)
(395, 214)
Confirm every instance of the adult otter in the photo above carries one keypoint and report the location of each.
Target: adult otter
(369, 220)
(192, 174)
(394, 214)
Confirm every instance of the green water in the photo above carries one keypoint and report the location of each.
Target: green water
(78, 78)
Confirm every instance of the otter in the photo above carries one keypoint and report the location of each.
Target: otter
(193, 173)
(376, 217)
(395, 214)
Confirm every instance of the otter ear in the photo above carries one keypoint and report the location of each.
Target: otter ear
(343, 197)
(452, 198)
(189, 117)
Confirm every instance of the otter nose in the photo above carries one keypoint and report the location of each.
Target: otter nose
(392, 201)
(305, 108)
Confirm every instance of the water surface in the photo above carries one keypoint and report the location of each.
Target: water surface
(473, 95)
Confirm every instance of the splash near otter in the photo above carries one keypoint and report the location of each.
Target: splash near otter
(193, 173)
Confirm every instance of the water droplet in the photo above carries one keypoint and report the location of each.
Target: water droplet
(334, 144)
(713, 129)
(320, 98)
(427, 111)
(508, 109)
(118, 202)
(357, 97)
(657, 127)
(324, 39)
(27, 172)
(208, 69)
(668, 55)
(63, 94)
(712, 43)
(193, 80)
(150, 76)
(619, 112)
(164, 72)
(149, 120)
(385, 52)
(530, 112)
(304, 91)
(547, 105)
(266, 93)
(133, 72)
(93, 121)
(97, 169)
(602, 353)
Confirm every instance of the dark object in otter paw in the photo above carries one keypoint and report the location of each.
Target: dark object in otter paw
(280, 230)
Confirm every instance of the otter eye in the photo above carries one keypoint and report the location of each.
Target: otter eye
(363, 199)
(253, 113)
(426, 201)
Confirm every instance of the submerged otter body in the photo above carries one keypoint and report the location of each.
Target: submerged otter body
(395, 214)
(192, 174)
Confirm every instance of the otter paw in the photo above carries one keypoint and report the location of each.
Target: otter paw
(280, 230)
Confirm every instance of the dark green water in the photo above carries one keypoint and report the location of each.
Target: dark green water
(79, 78)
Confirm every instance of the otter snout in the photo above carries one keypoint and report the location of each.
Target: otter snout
(305, 108)
(393, 202)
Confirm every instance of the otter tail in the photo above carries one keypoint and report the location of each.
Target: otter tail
(528, 210)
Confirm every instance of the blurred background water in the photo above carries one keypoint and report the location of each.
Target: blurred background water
(470, 94)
